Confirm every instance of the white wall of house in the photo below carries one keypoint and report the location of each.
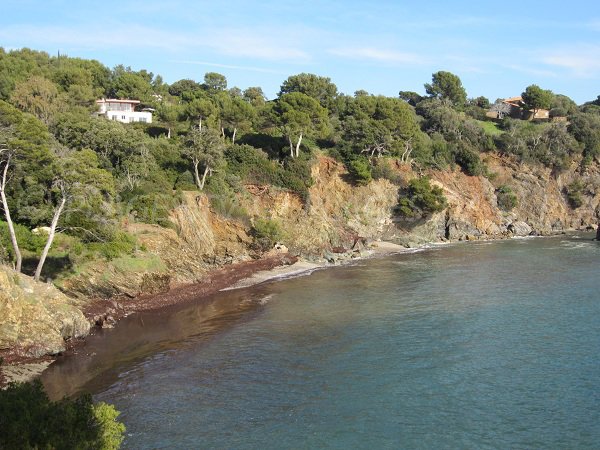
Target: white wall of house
(123, 111)
(129, 116)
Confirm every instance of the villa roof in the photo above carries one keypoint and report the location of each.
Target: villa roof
(116, 100)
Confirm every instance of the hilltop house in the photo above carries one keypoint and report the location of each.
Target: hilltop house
(515, 107)
(123, 110)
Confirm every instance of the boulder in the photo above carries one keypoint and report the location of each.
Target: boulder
(36, 318)
(519, 228)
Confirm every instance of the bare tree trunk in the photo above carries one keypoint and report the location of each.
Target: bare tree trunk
(11, 228)
(204, 177)
(223, 132)
(197, 175)
(233, 137)
(298, 145)
(55, 219)
(291, 146)
(200, 123)
(169, 133)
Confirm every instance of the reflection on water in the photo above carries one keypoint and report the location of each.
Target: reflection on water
(109, 351)
(484, 345)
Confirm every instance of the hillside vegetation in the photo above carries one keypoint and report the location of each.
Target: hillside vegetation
(89, 180)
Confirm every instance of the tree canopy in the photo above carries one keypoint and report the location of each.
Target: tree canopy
(447, 86)
(536, 98)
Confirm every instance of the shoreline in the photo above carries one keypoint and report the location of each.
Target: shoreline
(241, 275)
(245, 274)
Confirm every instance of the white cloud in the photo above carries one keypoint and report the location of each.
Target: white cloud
(532, 69)
(227, 66)
(581, 61)
(247, 43)
(378, 55)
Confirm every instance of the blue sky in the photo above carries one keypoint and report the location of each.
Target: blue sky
(497, 48)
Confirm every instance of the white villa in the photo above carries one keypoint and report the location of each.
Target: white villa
(123, 110)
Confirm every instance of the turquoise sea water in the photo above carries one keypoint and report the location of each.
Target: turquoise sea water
(479, 345)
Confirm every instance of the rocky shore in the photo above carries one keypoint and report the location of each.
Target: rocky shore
(207, 250)
(26, 356)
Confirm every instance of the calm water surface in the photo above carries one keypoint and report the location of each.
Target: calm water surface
(480, 345)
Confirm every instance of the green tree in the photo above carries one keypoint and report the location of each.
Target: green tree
(410, 97)
(6, 156)
(585, 127)
(255, 96)
(298, 115)
(420, 199)
(80, 182)
(131, 85)
(214, 82)
(447, 86)
(38, 96)
(536, 98)
(317, 87)
(184, 86)
(200, 109)
(237, 114)
(29, 420)
(204, 146)
(377, 125)
(563, 106)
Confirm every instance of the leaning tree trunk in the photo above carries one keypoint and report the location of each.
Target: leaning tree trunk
(57, 213)
(233, 137)
(11, 227)
(169, 133)
(11, 231)
(197, 175)
(291, 146)
(298, 145)
(206, 170)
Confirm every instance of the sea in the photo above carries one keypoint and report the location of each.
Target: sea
(479, 345)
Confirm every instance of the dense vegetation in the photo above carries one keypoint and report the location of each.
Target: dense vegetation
(85, 176)
(29, 420)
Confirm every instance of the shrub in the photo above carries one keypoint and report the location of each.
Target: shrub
(382, 169)
(121, 244)
(28, 419)
(360, 169)
(27, 240)
(153, 208)
(420, 199)
(574, 194)
(469, 161)
(505, 197)
(253, 166)
(4, 256)
(266, 233)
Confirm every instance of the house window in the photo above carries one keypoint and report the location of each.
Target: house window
(124, 117)
(143, 119)
(114, 117)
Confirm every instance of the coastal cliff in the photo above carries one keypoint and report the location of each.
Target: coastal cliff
(336, 216)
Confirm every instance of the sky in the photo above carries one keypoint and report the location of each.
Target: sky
(496, 48)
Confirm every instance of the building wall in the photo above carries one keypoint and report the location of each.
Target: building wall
(129, 116)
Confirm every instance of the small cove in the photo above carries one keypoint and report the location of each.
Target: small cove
(483, 345)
